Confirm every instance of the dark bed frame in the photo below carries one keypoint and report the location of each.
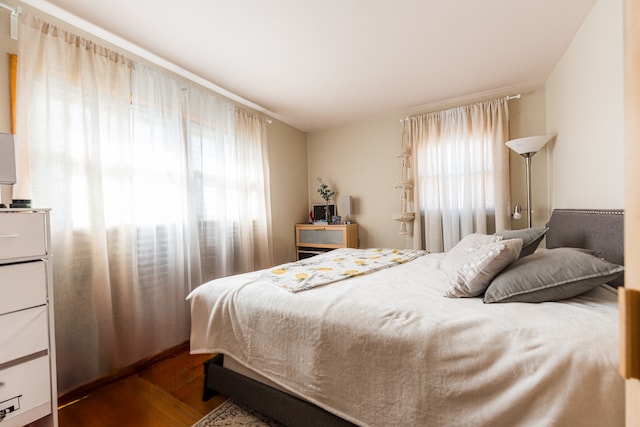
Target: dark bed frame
(598, 230)
(282, 407)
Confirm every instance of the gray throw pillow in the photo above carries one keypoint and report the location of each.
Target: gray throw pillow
(531, 238)
(551, 275)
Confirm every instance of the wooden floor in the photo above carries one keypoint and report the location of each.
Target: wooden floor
(167, 393)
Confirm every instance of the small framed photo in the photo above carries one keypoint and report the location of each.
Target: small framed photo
(320, 215)
(336, 220)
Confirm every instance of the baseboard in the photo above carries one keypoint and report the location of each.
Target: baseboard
(87, 389)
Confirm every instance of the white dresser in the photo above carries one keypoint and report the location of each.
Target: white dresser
(28, 392)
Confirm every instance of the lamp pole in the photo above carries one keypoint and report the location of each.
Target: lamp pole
(527, 147)
(527, 160)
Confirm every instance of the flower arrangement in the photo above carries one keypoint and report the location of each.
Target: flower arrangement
(325, 191)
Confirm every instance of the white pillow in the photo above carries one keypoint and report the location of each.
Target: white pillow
(481, 266)
(457, 256)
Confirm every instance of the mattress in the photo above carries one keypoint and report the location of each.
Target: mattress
(387, 348)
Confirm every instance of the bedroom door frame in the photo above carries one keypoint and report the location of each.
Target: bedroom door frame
(632, 175)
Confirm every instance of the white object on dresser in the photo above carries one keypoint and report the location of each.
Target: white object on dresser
(28, 385)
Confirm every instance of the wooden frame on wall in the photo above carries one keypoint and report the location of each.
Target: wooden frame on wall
(13, 72)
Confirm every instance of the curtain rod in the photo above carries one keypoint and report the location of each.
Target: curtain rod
(6, 6)
(15, 11)
(507, 98)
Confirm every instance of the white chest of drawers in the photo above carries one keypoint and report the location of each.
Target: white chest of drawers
(28, 392)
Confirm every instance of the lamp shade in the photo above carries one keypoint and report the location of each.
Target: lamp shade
(529, 144)
(7, 159)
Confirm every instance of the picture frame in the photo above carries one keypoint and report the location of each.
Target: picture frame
(319, 215)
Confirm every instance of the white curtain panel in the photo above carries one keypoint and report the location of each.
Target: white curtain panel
(461, 172)
(155, 187)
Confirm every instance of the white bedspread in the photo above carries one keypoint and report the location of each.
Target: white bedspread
(387, 349)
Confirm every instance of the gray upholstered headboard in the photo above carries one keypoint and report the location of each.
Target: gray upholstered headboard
(598, 230)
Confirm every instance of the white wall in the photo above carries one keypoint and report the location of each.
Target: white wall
(288, 173)
(585, 107)
(7, 45)
(359, 160)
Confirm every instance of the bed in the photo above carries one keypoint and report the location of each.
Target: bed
(389, 348)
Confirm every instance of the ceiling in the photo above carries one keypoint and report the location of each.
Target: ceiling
(321, 64)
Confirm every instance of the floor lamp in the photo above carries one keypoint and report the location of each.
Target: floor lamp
(527, 147)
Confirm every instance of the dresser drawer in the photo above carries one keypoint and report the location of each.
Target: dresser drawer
(23, 333)
(24, 285)
(322, 236)
(25, 392)
(327, 236)
(22, 235)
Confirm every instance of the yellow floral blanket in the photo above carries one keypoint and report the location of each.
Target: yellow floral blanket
(336, 265)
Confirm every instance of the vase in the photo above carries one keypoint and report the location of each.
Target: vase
(327, 213)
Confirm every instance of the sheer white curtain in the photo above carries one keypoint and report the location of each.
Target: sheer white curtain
(134, 164)
(229, 189)
(253, 209)
(461, 172)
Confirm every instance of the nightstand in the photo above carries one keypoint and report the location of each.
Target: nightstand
(314, 239)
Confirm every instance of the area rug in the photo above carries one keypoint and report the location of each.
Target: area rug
(231, 414)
